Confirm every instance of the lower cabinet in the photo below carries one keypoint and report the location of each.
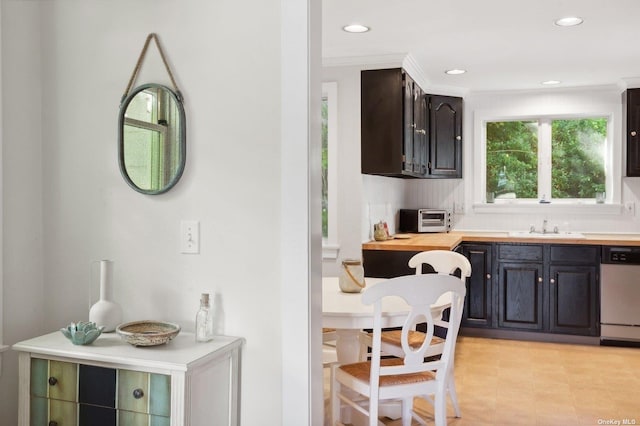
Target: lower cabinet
(574, 304)
(477, 304)
(520, 286)
(549, 288)
(115, 384)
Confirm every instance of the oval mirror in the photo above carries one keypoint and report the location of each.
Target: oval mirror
(152, 139)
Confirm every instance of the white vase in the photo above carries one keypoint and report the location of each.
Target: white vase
(105, 312)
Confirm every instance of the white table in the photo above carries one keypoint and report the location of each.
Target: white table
(348, 315)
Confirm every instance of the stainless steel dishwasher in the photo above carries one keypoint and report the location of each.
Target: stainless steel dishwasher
(620, 296)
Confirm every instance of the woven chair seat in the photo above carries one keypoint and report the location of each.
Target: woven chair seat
(362, 371)
(393, 337)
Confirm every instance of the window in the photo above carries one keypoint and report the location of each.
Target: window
(546, 159)
(329, 170)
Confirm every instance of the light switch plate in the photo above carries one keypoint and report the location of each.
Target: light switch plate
(190, 237)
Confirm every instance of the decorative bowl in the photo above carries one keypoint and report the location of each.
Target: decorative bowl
(148, 332)
(82, 332)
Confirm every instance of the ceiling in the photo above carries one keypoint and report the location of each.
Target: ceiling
(503, 44)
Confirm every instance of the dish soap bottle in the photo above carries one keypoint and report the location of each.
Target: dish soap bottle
(204, 320)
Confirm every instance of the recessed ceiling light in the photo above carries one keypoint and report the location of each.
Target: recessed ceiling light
(569, 21)
(455, 71)
(355, 28)
(550, 82)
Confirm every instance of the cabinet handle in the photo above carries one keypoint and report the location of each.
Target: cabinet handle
(52, 381)
(553, 281)
(539, 279)
(458, 138)
(138, 393)
(488, 276)
(633, 133)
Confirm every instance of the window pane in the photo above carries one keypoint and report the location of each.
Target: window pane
(512, 159)
(577, 157)
(325, 150)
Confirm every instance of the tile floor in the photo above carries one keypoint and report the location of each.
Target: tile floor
(509, 382)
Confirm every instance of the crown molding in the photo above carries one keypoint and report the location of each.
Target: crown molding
(391, 60)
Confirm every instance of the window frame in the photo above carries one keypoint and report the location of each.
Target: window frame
(613, 185)
(330, 245)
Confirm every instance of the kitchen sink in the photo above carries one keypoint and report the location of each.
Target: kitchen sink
(550, 235)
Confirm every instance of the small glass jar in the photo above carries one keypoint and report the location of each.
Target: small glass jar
(204, 320)
(351, 279)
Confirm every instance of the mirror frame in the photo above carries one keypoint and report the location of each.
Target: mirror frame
(182, 135)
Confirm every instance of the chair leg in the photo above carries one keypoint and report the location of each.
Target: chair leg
(407, 411)
(335, 401)
(451, 390)
(440, 407)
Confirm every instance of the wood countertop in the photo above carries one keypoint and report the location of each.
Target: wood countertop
(448, 241)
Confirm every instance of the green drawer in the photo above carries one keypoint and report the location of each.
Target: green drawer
(130, 418)
(144, 393)
(44, 411)
(54, 379)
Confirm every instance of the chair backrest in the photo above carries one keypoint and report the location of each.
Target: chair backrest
(420, 292)
(442, 261)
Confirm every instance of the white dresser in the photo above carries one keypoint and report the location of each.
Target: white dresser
(181, 383)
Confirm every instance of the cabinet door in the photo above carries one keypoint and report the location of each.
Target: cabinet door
(520, 295)
(52, 412)
(633, 131)
(409, 124)
(477, 304)
(573, 300)
(382, 122)
(420, 146)
(388, 263)
(445, 136)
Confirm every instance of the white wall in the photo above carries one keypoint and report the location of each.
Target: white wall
(67, 206)
(22, 274)
(362, 199)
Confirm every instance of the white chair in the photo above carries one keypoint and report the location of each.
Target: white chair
(363, 385)
(442, 262)
(329, 355)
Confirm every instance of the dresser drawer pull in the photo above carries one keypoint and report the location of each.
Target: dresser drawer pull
(53, 381)
(138, 393)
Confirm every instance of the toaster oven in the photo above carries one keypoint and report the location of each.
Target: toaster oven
(424, 220)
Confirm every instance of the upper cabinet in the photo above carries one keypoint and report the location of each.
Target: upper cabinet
(445, 136)
(405, 132)
(631, 107)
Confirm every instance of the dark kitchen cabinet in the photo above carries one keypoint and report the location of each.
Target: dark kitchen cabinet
(549, 287)
(477, 304)
(520, 286)
(405, 132)
(389, 263)
(631, 108)
(389, 103)
(445, 136)
(573, 290)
